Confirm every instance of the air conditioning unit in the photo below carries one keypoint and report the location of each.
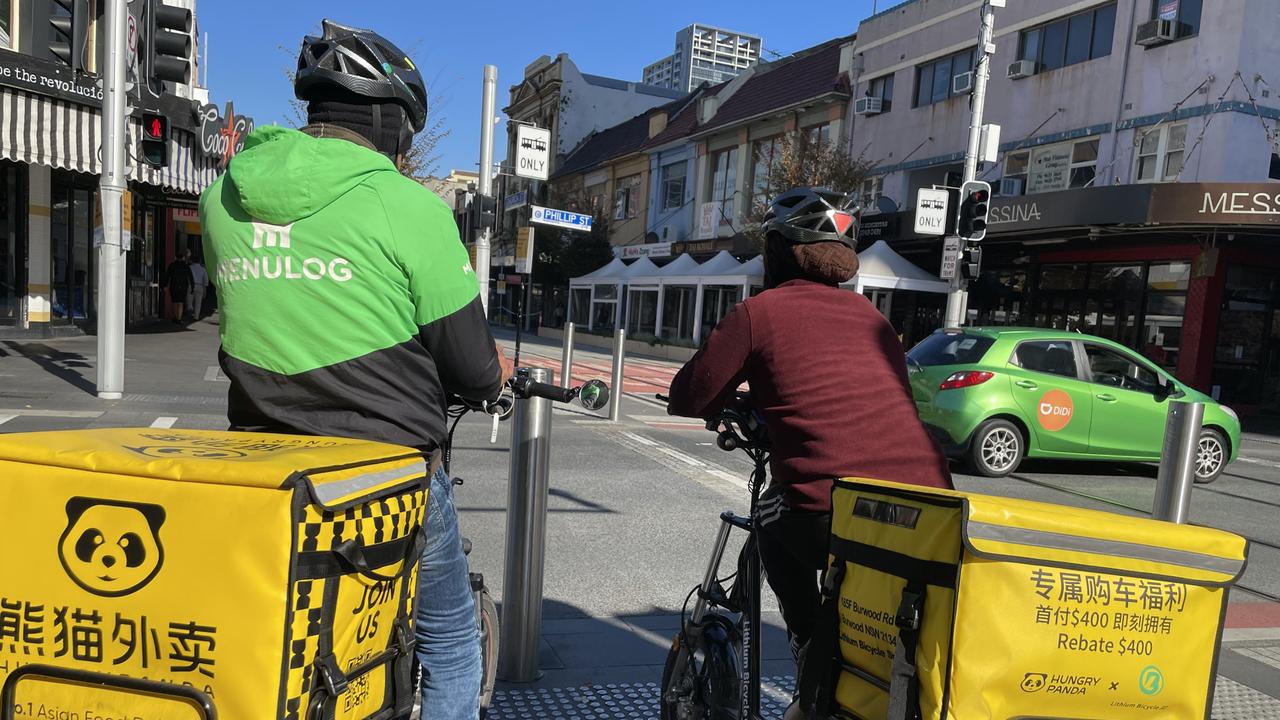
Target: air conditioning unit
(1012, 186)
(868, 106)
(1022, 69)
(1158, 32)
(962, 83)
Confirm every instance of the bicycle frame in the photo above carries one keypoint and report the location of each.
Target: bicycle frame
(747, 586)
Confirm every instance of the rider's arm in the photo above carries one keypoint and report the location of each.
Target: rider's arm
(465, 353)
(446, 300)
(706, 382)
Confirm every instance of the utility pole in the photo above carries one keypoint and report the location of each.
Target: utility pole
(111, 254)
(957, 298)
(486, 178)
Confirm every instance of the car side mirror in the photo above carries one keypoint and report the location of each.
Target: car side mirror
(1167, 390)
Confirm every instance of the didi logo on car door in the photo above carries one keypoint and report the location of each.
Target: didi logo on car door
(1055, 410)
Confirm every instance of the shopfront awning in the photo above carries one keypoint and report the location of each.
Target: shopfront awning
(40, 130)
(605, 275)
(880, 267)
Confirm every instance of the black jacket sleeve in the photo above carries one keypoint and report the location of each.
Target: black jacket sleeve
(464, 353)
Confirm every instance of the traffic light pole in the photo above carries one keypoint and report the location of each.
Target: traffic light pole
(957, 298)
(486, 178)
(111, 254)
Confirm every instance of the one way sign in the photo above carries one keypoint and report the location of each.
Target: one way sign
(532, 152)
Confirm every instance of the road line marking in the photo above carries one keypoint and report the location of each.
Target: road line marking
(640, 439)
(686, 459)
(729, 477)
(1256, 461)
(164, 422)
(26, 412)
(6, 418)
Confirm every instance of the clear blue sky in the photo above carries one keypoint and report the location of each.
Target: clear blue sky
(252, 44)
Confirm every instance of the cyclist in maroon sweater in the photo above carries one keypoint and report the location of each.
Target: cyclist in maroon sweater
(829, 376)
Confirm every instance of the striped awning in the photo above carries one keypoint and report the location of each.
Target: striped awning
(40, 130)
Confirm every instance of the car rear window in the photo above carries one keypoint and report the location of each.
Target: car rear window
(950, 349)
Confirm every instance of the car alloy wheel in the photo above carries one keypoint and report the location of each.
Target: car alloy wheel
(1211, 456)
(1001, 449)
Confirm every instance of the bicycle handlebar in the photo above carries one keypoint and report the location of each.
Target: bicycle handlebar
(526, 388)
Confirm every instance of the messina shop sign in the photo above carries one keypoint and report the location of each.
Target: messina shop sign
(1217, 204)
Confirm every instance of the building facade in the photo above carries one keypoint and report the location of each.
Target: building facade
(741, 130)
(704, 54)
(1135, 174)
(554, 94)
(50, 137)
(447, 187)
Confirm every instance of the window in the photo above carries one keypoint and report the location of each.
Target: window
(626, 198)
(765, 153)
(5, 7)
(1070, 40)
(597, 199)
(818, 133)
(1186, 12)
(871, 190)
(950, 349)
(1051, 167)
(933, 80)
(882, 87)
(724, 166)
(1110, 368)
(1161, 151)
(1055, 357)
(673, 179)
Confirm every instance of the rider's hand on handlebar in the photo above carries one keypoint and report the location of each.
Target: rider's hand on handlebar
(508, 367)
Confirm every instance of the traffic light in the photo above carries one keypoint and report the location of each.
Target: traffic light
(167, 45)
(462, 213)
(975, 203)
(484, 209)
(154, 146)
(69, 21)
(970, 261)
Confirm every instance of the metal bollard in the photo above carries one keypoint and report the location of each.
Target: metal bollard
(566, 357)
(1178, 462)
(526, 536)
(615, 400)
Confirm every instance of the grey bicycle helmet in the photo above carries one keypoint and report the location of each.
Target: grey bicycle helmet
(363, 63)
(811, 215)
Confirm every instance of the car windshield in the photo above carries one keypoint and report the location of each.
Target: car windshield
(950, 349)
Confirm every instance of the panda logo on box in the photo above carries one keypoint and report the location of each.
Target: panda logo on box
(110, 547)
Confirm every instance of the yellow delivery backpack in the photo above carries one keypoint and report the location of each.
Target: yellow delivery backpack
(186, 575)
(943, 604)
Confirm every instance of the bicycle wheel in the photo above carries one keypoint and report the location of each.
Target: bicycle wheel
(708, 683)
(489, 644)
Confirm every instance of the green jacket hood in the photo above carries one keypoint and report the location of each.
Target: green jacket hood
(283, 175)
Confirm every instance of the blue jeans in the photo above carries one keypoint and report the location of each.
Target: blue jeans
(448, 646)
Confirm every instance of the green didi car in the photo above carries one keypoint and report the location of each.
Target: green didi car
(994, 396)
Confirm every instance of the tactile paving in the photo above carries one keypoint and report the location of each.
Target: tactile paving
(623, 701)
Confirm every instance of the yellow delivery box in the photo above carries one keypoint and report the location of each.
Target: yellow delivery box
(973, 607)
(174, 575)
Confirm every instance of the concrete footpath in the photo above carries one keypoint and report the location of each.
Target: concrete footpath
(632, 514)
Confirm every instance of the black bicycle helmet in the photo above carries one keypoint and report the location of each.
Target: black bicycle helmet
(813, 215)
(363, 63)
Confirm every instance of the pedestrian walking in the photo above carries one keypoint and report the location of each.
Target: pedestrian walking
(179, 282)
(199, 284)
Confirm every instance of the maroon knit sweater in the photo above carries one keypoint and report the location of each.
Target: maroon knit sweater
(829, 376)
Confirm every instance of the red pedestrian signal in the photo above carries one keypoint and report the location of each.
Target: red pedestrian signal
(154, 145)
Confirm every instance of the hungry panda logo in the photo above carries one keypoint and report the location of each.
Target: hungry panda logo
(1034, 682)
(111, 548)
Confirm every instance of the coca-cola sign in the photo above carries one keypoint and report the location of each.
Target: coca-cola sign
(223, 137)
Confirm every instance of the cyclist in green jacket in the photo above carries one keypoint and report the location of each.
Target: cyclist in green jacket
(350, 308)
